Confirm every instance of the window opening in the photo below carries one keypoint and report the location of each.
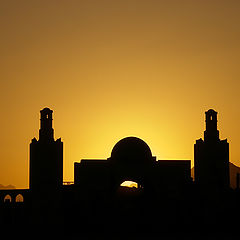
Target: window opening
(19, 198)
(7, 199)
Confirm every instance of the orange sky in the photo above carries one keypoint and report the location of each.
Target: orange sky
(111, 69)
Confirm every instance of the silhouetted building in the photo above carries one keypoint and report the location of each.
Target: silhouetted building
(46, 170)
(131, 160)
(46, 156)
(211, 157)
(165, 197)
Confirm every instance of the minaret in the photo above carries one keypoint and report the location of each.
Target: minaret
(46, 130)
(211, 157)
(211, 133)
(46, 156)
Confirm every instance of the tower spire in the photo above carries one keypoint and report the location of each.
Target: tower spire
(46, 130)
(211, 157)
(46, 158)
(211, 133)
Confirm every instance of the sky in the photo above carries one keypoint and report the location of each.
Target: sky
(112, 69)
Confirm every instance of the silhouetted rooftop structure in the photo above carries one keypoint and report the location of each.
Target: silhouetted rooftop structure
(211, 157)
(132, 150)
(165, 199)
(131, 159)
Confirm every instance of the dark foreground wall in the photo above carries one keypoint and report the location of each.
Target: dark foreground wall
(126, 211)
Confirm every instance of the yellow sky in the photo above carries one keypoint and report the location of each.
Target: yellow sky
(111, 69)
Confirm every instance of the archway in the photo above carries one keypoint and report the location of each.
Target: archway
(7, 199)
(129, 200)
(129, 188)
(19, 198)
(132, 163)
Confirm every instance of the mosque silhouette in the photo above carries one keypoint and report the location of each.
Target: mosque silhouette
(166, 197)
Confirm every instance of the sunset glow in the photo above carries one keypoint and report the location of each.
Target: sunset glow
(112, 69)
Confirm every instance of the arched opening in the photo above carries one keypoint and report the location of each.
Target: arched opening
(130, 188)
(7, 199)
(129, 184)
(19, 198)
(129, 198)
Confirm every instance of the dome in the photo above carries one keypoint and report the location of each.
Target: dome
(46, 110)
(131, 150)
(211, 111)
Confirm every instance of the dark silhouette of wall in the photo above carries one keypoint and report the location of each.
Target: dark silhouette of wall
(211, 157)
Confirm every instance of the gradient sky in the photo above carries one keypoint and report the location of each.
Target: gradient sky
(111, 69)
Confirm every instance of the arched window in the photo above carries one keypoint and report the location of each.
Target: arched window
(7, 199)
(19, 198)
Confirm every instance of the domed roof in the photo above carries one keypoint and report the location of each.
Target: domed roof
(131, 150)
(46, 110)
(211, 111)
